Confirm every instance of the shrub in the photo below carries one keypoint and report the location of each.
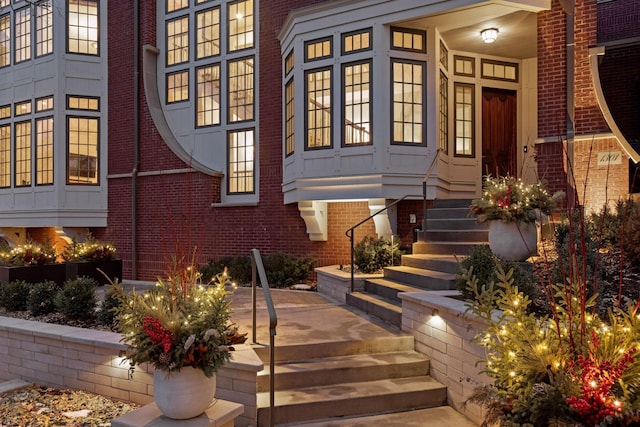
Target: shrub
(631, 242)
(89, 250)
(286, 270)
(107, 311)
(28, 253)
(77, 299)
(372, 254)
(13, 295)
(41, 298)
(238, 267)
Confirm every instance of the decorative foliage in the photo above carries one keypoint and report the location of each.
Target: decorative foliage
(29, 253)
(89, 250)
(372, 254)
(179, 322)
(509, 199)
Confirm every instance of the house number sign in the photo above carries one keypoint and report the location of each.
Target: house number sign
(606, 158)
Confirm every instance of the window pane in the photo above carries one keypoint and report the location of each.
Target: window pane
(178, 41)
(408, 99)
(5, 112)
(408, 39)
(5, 156)
(83, 27)
(44, 104)
(357, 103)
(5, 40)
(208, 33)
(464, 145)
(356, 41)
(44, 151)
(44, 28)
(23, 154)
(289, 118)
(177, 86)
(208, 86)
(22, 108)
(288, 63)
(241, 164)
(240, 25)
(444, 113)
(23, 34)
(82, 163)
(241, 90)
(318, 103)
(318, 49)
(176, 5)
(83, 103)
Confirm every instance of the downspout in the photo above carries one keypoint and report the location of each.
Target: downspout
(136, 138)
(569, 9)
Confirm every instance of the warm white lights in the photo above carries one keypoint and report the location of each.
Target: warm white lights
(489, 35)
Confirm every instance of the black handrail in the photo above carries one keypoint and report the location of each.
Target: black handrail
(258, 267)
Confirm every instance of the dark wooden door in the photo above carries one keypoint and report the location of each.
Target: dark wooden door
(499, 132)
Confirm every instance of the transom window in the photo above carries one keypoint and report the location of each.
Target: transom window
(22, 108)
(464, 118)
(173, 5)
(408, 79)
(44, 104)
(83, 103)
(356, 41)
(318, 108)
(499, 70)
(83, 28)
(409, 39)
(318, 49)
(240, 25)
(356, 96)
(464, 66)
(5, 112)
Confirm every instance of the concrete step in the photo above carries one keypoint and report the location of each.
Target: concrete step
(443, 263)
(385, 309)
(421, 278)
(351, 398)
(454, 223)
(443, 248)
(472, 235)
(352, 368)
(451, 203)
(447, 213)
(388, 289)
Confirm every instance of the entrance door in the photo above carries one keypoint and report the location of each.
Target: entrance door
(499, 137)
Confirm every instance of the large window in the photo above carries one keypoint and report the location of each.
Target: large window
(408, 102)
(318, 108)
(289, 116)
(5, 40)
(23, 154)
(240, 25)
(356, 97)
(240, 90)
(82, 150)
(208, 86)
(208, 33)
(44, 28)
(464, 118)
(22, 29)
(241, 162)
(178, 40)
(44, 151)
(83, 29)
(5, 156)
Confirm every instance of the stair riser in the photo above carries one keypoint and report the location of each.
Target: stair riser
(423, 282)
(440, 248)
(451, 203)
(292, 380)
(383, 291)
(447, 213)
(337, 348)
(354, 406)
(454, 224)
(480, 236)
(445, 266)
(392, 317)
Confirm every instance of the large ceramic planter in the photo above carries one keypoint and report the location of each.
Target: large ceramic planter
(183, 394)
(513, 241)
(91, 269)
(34, 273)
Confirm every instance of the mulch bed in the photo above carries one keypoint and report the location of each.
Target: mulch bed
(37, 406)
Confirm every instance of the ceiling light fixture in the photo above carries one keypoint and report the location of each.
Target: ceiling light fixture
(489, 35)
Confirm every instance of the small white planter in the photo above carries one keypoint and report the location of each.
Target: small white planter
(183, 394)
(513, 241)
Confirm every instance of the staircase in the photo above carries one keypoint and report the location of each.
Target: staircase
(346, 378)
(432, 266)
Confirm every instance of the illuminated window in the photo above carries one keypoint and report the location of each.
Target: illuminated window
(4, 3)
(241, 162)
(318, 49)
(240, 25)
(23, 154)
(356, 98)
(408, 102)
(5, 112)
(178, 40)
(5, 156)
(176, 5)
(177, 86)
(83, 30)
(289, 115)
(444, 56)
(288, 63)
(44, 104)
(464, 118)
(464, 66)
(318, 108)
(83, 103)
(82, 149)
(22, 108)
(409, 39)
(44, 28)
(444, 113)
(22, 28)
(356, 41)
(240, 90)
(208, 33)
(44, 151)
(499, 70)
(208, 86)
(5, 40)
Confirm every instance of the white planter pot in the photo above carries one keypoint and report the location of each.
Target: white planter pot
(184, 394)
(513, 241)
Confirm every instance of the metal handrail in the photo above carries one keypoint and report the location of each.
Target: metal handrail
(258, 267)
(350, 231)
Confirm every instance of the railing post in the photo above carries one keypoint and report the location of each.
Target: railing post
(424, 205)
(253, 297)
(352, 262)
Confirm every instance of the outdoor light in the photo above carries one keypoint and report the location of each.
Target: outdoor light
(489, 35)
